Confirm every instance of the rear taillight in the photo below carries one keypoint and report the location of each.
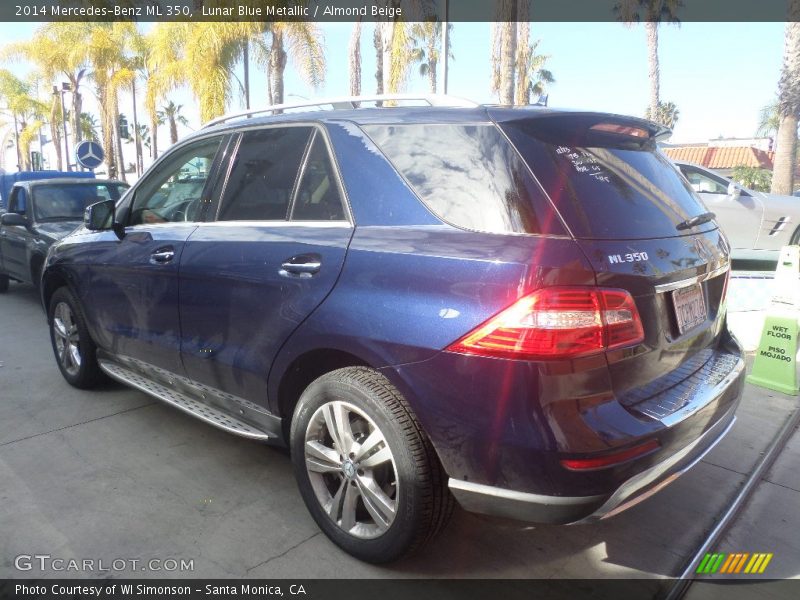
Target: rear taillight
(558, 322)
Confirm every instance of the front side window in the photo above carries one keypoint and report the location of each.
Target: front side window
(264, 174)
(173, 192)
(703, 183)
(68, 202)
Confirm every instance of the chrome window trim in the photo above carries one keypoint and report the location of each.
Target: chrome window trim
(330, 224)
(676, 285)
(318, 128)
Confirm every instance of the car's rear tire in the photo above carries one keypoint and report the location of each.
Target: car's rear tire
(4, 281)
(378, 491)
(75, 352)
(795, 239)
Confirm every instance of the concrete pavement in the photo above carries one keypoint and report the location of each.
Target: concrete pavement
(114, 474)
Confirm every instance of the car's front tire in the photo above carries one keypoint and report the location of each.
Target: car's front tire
(4, 281)
(75, 352)
(367, 472)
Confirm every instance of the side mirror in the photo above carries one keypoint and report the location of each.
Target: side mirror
(734, 191)
(11, 219)
(99, 216)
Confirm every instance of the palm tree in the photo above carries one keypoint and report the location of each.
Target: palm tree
(170, 113)
(532, 77)
(142, 136)
(56, 119)
(160, 76)
(396, 54)
(377, 43)
(354, 59)
(202, 56)
(426, 38)
(504, 50)
(394, 46)
(653, 12)
(769, 119)
(109, 53)
(89, 127)
(788, 108)
(300, 42)
(58, 50)
(26, 111)
(667, 114)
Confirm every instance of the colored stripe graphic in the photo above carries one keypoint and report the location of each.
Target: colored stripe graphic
(711, 563)
(734, 563)
(701, 568)
(759, 562)
(730, 563)
(741, 563)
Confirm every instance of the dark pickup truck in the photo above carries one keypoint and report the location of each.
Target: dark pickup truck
(41, 212)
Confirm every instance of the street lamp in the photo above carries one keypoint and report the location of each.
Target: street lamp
(65, 87)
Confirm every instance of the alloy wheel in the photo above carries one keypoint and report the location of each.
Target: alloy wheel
(67, 338)
(351, 469)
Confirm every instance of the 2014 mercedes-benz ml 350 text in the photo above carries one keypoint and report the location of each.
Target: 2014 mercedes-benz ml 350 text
(521, 310)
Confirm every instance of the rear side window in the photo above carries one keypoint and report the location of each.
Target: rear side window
(264, 174)
(318, 197)
(606, 188)
(469, 176)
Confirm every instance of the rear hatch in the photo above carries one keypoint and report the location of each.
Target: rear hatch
(644, 230)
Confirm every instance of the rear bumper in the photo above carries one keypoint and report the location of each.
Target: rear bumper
(537, 508)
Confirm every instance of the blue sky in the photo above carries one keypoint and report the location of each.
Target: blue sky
(720, 75)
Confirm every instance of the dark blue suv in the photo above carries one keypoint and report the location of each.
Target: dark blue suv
(520, 310)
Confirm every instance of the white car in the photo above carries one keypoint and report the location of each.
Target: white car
(757, 224)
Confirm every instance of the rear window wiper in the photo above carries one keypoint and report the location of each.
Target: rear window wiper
(695, 221)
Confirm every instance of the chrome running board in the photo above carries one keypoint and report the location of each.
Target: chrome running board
(184, 402)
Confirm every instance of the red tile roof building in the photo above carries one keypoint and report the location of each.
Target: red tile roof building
(722, 158)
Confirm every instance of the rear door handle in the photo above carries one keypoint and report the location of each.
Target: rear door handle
(303, 266)
(162, 255)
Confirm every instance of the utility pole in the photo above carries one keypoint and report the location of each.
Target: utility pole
(445, 43)
(246, 61)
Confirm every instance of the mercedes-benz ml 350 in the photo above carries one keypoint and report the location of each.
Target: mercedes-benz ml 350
(521, 310)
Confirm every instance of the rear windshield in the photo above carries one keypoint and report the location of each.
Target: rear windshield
(67, 202)
(468, 176)
(609, 189)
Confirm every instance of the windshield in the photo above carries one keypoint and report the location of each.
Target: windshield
(68, 201)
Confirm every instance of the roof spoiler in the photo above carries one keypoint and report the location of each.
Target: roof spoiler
(584, 128)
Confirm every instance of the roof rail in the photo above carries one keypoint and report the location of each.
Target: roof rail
(348, 103)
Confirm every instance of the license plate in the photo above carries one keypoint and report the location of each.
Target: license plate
(690, 307)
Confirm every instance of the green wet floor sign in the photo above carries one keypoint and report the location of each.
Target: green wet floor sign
(775, 366)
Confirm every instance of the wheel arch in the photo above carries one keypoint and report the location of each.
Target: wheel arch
(304, 369)
(51, 281)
